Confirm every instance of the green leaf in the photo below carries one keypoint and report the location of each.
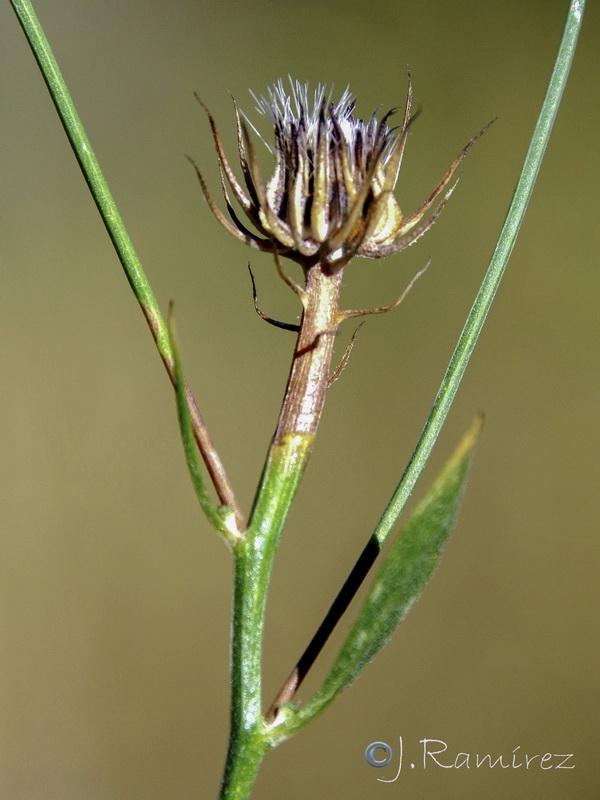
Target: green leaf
(218, 517)
(399, 583)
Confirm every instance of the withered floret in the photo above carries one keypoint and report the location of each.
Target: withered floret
(330, 196)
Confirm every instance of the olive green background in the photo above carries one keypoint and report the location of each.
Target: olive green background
(114, 594)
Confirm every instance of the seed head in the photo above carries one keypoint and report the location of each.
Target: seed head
(330, 196)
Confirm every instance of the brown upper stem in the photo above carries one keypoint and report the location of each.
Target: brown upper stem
(309, 375)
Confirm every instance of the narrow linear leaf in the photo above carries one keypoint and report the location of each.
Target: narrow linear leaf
(216, 516)
(116, 228)
(495, 271)
(399, 583)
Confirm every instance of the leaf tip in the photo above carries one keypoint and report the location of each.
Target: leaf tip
(470, 439)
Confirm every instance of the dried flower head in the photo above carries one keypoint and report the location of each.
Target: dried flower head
(330, 196)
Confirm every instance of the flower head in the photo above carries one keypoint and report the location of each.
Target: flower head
(330, 196)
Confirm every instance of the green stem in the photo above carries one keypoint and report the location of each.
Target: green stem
(253, 560)
(247, 743)
(254, 552)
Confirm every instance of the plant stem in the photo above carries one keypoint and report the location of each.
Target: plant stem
(247, 745)
(253, 560)
(309, 375)
(254, 552)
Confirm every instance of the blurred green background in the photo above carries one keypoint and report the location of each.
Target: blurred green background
(114, 594)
